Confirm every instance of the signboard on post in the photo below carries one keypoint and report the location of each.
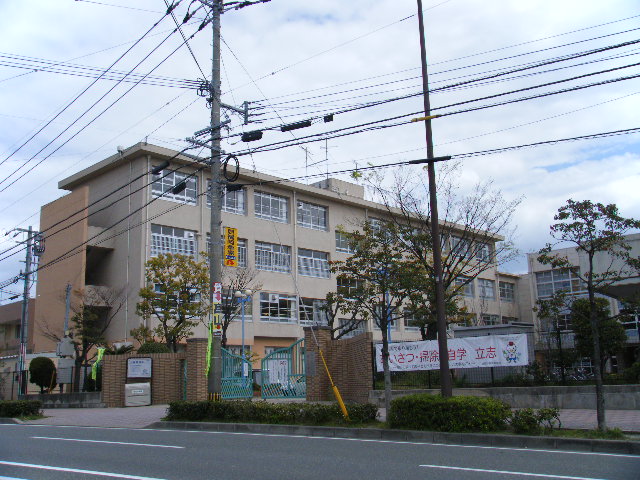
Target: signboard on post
(217, 292)
(230, 247)
(468, 352)
(139, 367)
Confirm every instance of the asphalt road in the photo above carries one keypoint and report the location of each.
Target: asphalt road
(33, 452)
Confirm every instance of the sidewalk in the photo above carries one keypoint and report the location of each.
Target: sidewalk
(140, 417)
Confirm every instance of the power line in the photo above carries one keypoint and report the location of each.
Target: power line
(87, 88)
(99, 114)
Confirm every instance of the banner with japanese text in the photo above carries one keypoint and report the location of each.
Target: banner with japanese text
(468, 352)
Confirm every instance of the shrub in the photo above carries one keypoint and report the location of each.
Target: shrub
(20, 408)
(530, 422)
(632, 373)
(454, 414)
(42, 372)
(153, 347)
(275, 413)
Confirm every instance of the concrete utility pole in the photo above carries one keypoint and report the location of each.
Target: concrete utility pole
(215, 125)
(24, 316)
(441, 321)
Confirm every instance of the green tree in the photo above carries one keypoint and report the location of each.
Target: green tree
(42, 372)
(610, 330)
(382, 279)
(596, 231)
(176, 296)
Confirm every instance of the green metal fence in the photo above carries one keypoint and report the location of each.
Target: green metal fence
(237, 378)
(283, 373)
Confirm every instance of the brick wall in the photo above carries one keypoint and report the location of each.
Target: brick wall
(349, 362)
(166, 381)
(197, 388)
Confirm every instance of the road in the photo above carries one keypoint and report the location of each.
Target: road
(32, 452)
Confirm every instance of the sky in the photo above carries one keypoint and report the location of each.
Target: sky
(296, 60)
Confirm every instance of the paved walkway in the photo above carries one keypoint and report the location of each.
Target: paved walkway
(133, 417)
(139, 417)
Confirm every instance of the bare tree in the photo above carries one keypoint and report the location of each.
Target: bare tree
(234, 280)
(93, 311)
(475, 229)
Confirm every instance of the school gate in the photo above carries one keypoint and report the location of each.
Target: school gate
(283, 372)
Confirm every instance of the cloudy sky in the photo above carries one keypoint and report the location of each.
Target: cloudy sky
(296, 60)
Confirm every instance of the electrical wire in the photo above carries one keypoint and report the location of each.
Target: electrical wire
(87, 88)
(99, 114)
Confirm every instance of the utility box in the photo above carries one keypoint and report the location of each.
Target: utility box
(137, 394)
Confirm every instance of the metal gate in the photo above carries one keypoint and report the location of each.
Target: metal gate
(237, 378)
(283, 373)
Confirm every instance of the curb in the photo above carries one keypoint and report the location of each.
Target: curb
(12, 421)
(471, 439)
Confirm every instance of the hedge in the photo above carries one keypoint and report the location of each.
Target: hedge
(20, 408)
(275, 413)
(453, 414)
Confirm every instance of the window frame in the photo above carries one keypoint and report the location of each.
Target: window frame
(483, 283)
(282, 206)
(317, 263)
(163, 182)
(269, 299)
(307, 209)
(158, 236)
(279, 257)
(507, 291)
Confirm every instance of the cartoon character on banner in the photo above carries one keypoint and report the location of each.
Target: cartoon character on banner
(511, 353)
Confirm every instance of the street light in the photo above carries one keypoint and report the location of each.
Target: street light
(243, 297)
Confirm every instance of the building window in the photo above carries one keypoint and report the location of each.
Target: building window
(342, 243)
(271, 207)
(506, 320)
(172, 240)
(348, 287)
(460, 247)
(376, 224)
(276, 307)
(312, 263)
(312, 312)
(468, 290)
(232, 202)
(347, 323)
(507, 291)
(487, 288)
(273, 258)
(312, 216)
(269, 350)
(242, 250)
(552, 281)
(490, 319)
(411, 321)
(483, 252)
(164, 181)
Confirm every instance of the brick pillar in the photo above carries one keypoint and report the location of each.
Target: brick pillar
(196, 366)
(318, 384)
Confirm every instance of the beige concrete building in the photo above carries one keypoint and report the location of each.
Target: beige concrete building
(288, 233)
(542, 281)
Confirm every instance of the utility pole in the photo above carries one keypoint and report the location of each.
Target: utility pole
(441, 321)
(215, 125)
(34, 245)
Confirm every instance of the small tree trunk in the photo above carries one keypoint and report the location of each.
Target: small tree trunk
(387, 373)
(595, 332)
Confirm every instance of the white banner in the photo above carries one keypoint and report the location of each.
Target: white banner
(468, 352)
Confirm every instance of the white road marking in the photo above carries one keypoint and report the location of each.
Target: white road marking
(105, 441)
(506, 472)
(398, 442)
(77, 470)
(11, 478)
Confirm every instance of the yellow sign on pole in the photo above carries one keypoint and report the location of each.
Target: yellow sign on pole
(230, 247)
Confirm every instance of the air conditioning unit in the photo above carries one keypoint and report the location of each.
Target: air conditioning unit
(274, 298)
(190, 235)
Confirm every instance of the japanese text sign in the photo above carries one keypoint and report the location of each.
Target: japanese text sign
(230, 247)
(468, 352)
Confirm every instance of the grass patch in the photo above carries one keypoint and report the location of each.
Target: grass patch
(609, 434)
(26, 418)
